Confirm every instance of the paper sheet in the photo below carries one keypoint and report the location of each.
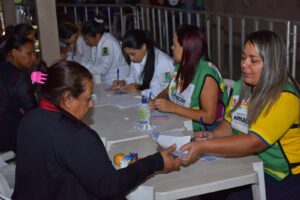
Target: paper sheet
(166, 140)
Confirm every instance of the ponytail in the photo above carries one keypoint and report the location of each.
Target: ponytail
(135, 39)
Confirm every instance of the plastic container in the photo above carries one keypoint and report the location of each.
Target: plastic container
(121, 160)
(144, 114)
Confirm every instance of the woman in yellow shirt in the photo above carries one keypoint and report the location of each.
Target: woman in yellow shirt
(262, 118)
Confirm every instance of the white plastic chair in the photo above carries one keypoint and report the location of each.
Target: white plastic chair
(7, 179)
(5, 191)
(7, 155)
(229, 83)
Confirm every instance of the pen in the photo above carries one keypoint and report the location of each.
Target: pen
(202, 124)
(118, 74)
(202, 127)
(149, 98)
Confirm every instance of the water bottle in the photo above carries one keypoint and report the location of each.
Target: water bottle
(144, 114)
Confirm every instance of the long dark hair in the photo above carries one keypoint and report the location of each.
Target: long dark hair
(62, 76)
(135, 39)
(94, 26)
(194, 47)
(66, 30)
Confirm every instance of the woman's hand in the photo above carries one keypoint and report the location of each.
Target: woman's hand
(171, 163)
(117, 84)
(203, 135)
(163, 105)
(133, 88)
(151, 105)
(194, 152)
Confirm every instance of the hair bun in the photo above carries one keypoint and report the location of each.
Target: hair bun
(99, 20)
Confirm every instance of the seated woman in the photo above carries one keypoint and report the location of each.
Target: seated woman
(72, 45)
(15, 84)
(261, 118)
(197, 90)
(67, 160)
(150, 68)
(107, 57)
(68, 34)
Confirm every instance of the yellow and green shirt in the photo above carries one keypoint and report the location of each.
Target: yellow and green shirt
(279, 128)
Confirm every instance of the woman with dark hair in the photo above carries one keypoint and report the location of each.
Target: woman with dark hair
(197, 90)
(25, 30)
(72, 45)
(261, 118)
(20, 30)
(68, 34)
(15, 83)
(150, 68)
(68, 160)
(107, 57)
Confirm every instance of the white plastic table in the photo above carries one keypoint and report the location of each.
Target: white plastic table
(199, 178)
(116, 125)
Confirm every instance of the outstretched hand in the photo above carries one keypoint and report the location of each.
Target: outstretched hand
(194, 152)
(171, 162)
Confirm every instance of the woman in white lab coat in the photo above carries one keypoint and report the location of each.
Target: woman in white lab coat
(150, 68)
(107, 56)
(72, 45)
(68, 33)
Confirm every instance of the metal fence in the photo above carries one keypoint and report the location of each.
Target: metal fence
(225, 33)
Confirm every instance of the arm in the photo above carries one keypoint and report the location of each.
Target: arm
(208, 99)
(128, 79)
(223, 129)
(163, 94)
(83, 52)
(235, 145)
(264, 132)
(93, 169)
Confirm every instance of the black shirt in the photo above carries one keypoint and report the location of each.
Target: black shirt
(14, 97)
(60, 157)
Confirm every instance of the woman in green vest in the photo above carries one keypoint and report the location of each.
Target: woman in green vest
(196, 90)
(262, 118)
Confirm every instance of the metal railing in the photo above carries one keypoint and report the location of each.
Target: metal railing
(225, 33)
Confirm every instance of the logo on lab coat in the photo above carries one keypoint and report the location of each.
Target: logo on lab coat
(105, 51)
(167, 77)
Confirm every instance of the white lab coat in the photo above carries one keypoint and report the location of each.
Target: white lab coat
(163, 70)
(82, 53)
(107, 57)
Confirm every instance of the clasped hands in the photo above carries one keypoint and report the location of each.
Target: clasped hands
(195, 150)
(162, 105)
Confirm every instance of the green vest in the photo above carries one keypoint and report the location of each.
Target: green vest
(204, 69)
